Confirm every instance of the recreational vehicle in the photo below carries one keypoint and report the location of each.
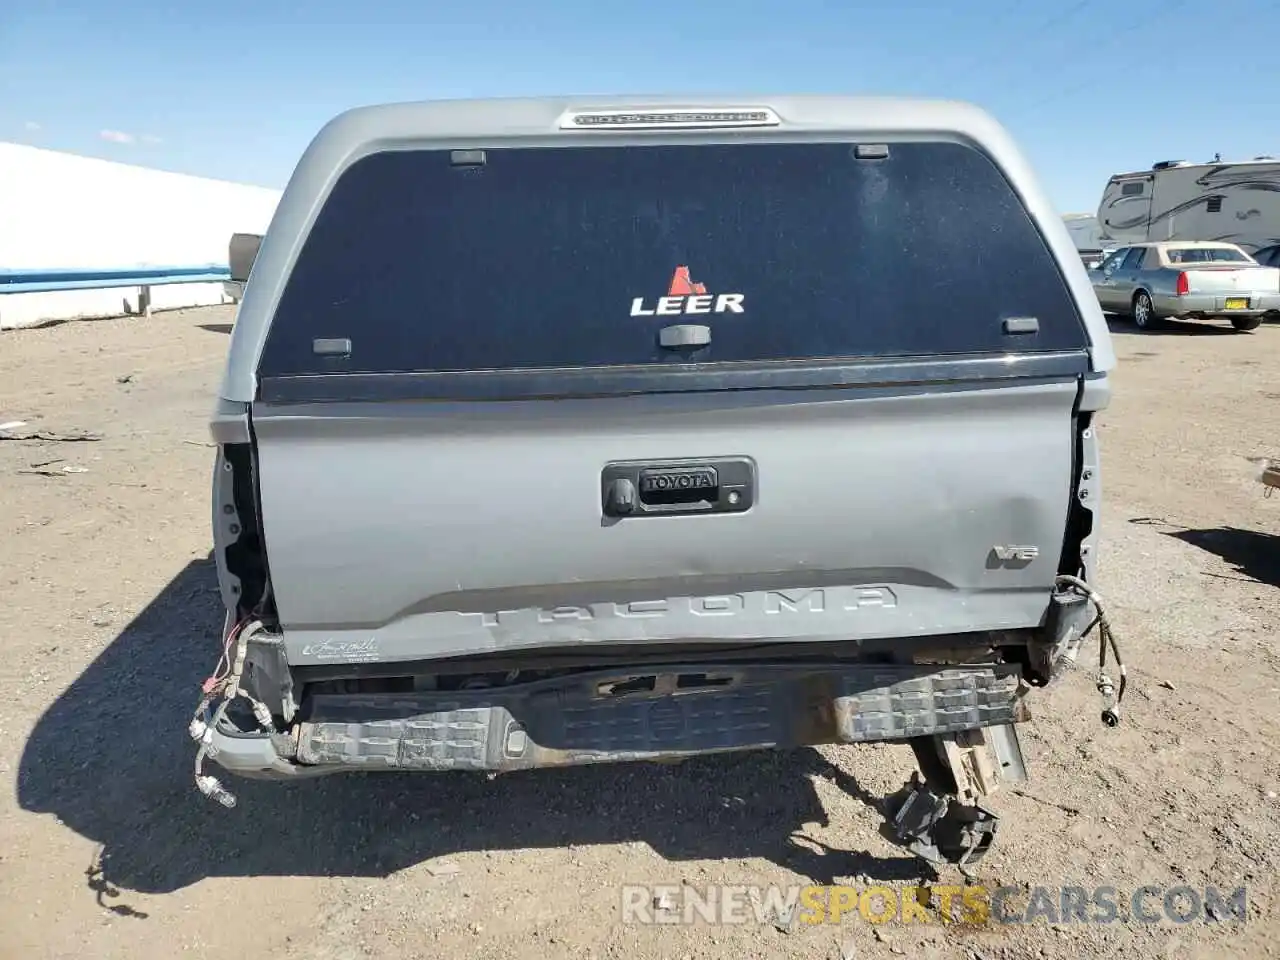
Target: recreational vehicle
(241, 253)
(1228, 202)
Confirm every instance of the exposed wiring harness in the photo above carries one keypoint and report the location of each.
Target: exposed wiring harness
(1106, 639)
(222, 687)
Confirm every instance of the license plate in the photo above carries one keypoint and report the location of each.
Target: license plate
(1237, 303)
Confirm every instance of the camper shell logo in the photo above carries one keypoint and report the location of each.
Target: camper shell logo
(684, 297)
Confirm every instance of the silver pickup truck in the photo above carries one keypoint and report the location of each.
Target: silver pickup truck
(1202, 280)
(569, 431)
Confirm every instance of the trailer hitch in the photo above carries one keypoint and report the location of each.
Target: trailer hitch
(940, 829)
(940, 817)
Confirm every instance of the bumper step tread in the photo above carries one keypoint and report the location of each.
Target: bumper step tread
(566, 722)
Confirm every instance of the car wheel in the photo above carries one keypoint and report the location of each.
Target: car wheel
(1144, 313)
(1246, 323)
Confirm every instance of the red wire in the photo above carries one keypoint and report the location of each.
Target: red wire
(224, 664)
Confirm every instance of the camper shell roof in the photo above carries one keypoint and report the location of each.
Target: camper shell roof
(556, 122)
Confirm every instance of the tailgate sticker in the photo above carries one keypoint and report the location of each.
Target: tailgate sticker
(685, 296)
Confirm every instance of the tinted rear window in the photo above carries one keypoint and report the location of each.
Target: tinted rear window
(1206, 255)
(558, 257)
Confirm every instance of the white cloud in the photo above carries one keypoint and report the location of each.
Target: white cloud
(117, 136)
(151, 138)
(32, 126)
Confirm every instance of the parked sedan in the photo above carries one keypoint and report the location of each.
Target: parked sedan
(1269, 257)
(1152, 282)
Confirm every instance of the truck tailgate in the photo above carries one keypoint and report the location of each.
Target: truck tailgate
(413, 530)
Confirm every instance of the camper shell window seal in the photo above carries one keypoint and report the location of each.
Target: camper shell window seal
(500, 385)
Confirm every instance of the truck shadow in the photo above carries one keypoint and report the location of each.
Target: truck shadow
(110, 758)
(1122, 326)
(1254, 554)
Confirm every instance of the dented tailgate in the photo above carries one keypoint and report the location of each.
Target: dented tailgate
(478, 529)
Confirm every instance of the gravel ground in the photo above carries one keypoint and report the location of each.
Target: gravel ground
(110, 620)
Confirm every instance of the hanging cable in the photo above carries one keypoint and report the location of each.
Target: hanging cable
(223, 687)
(1106, 641)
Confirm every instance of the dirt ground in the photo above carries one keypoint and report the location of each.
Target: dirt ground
(110, 619)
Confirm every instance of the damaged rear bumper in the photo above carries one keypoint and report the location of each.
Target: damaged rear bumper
(667, 712)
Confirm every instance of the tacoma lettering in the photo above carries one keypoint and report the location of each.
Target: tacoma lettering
(799, 602)
(791, 601)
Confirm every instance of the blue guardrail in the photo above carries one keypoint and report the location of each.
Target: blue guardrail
(55, 279)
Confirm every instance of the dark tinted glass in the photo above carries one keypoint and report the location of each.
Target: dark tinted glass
(558, 257)
(1133, 260)
(1205, 255)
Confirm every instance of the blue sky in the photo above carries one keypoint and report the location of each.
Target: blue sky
(236, 90)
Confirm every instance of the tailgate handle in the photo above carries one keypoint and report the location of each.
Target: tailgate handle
(693, 488)
(684, 335)
(636, 488)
